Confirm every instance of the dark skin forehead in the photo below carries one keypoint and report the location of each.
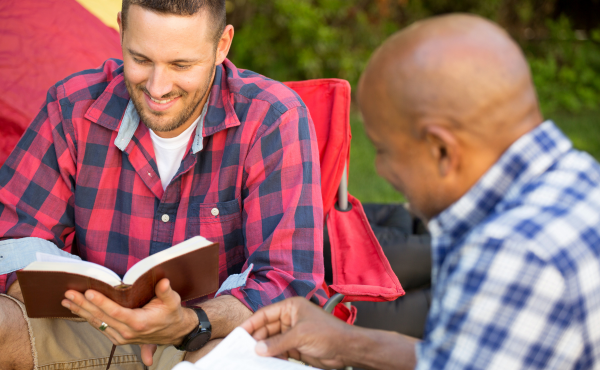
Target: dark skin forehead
(458, 68)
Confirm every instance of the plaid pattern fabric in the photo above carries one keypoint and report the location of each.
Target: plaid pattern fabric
(516, 264)
(254, 187)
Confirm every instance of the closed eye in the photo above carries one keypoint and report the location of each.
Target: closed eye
(140, 61)
(182, 67)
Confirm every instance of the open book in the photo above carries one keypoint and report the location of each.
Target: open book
(235, 352)
(192, 268)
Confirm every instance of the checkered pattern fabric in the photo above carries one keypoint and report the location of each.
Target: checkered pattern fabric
(254, 187)
(516, 264)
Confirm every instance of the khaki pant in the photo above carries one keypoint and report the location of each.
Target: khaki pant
(63, 344)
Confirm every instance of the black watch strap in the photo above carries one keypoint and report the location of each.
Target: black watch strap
(202, 319)
(198, 337)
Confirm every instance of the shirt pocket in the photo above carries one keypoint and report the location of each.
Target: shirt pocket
(222, 223)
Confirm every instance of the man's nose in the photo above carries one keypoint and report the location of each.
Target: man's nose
(159, 84)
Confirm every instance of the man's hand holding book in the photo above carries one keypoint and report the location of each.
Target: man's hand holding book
(161, 321)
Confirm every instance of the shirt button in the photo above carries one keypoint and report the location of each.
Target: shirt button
(214, 211)
(165, 218)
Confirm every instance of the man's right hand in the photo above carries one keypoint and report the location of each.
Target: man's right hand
(298, 329)
(15, 291)
(301, 330)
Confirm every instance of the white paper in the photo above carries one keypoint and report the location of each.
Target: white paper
(236, 352)
(185, 366)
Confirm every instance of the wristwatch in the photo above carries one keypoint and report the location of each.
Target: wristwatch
(199, 336)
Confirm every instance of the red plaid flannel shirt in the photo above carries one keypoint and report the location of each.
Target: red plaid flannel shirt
(67, 182)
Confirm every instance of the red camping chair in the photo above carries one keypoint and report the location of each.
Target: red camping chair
(361, 272)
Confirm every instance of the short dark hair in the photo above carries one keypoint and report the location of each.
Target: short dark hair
(215, 8)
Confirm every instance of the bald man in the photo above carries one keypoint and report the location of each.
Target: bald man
(513, 210)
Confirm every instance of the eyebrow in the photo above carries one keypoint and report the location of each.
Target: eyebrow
(139, 55)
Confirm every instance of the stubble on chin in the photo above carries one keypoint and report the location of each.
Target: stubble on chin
(156, 121)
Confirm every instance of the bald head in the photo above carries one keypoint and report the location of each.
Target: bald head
(460, 68)
(441, 101)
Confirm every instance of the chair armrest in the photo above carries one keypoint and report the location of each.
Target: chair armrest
(332, 302)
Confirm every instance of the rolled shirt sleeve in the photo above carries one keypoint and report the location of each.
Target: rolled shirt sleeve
(16, 254)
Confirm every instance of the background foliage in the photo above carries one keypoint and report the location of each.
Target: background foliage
(303, 39)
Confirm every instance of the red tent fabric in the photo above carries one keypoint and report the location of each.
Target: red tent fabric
(42, 42)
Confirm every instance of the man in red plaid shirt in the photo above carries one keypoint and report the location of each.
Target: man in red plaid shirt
(223, 153)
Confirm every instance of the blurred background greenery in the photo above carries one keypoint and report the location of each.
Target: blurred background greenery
(302, 39)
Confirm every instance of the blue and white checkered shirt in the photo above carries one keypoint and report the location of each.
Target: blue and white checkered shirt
(516, 264)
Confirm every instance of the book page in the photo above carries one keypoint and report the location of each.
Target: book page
(44, 257)
(149, 262)
(236, 352)
(62, 264)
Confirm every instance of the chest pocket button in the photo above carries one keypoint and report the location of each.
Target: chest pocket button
(214, 212)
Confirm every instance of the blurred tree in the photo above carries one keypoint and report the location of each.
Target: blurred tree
(566, 67)
(302, 39)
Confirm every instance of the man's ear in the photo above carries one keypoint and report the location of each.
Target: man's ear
(444, 148)
(224, 44)
(120, 23)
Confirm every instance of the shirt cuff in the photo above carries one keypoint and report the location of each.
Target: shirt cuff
(16, 254)
(235, 281)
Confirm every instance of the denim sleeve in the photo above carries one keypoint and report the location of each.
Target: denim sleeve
(235, 281)
(16, 254)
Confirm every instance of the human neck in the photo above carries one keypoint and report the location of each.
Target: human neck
(479, 156)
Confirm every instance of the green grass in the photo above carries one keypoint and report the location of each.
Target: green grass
(364, 183)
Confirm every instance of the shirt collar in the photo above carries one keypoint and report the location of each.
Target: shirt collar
(114, 110)
(527, 158)
(131, 120)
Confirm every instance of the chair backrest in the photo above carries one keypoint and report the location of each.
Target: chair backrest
(328, 101)
(360, 269)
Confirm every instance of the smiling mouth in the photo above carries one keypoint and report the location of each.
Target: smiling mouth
(169, 97)
(160, 101)
(161, 106)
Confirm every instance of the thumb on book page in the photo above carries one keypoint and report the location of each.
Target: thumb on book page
(164, 292)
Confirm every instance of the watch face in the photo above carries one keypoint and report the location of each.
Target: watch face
(198, 341)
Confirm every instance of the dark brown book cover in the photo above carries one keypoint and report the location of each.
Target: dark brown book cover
(192, 275)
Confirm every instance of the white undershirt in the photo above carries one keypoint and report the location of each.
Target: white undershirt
(169, 152)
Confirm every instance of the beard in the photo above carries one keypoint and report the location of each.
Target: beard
(156, 121)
